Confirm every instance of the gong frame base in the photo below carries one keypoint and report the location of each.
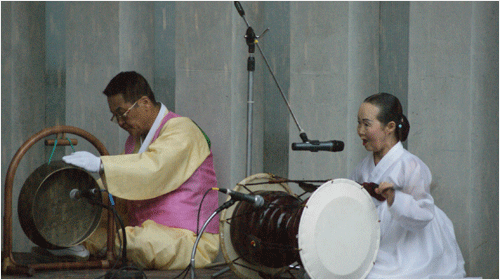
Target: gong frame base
(9, 264)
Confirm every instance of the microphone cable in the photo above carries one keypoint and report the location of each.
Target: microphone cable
(184, 273)
(121, 272)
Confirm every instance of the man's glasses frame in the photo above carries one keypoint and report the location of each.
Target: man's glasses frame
(115, 118)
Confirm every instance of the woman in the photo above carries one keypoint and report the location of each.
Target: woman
(417, 238)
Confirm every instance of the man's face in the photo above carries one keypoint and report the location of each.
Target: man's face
(128, 115)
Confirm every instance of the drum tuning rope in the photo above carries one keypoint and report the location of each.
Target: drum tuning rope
(306, 185)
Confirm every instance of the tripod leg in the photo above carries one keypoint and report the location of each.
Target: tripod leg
(220, 272)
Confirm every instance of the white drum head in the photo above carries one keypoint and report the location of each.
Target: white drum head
(239, 266)
(339, 231)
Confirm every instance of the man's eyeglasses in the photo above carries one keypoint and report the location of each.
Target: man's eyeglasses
(115, 118)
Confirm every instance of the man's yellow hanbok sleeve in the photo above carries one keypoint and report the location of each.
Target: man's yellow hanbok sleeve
(167, 163)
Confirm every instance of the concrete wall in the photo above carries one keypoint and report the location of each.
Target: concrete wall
(453, 109)
(439, 58)
(24, 99)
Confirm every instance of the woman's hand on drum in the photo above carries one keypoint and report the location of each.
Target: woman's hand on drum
(386, 190)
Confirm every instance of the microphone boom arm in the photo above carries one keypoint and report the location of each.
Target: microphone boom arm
(302, 133)
(308, 145)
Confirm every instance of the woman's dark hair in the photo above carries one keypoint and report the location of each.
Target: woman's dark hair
(132, 85)
(391, 110)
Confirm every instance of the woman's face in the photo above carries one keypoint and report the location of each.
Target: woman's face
(376, 137)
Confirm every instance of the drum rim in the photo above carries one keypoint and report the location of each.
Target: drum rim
(303, 226)
(225, 239)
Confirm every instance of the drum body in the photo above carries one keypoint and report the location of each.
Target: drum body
(268, 235)
(335, 233)
(242, 267)
(48, 215)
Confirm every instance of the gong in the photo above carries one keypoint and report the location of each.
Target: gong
(49, 216)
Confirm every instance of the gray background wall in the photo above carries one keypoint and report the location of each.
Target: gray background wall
(439, 58)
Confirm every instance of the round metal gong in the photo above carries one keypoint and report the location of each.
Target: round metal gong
(48, 215)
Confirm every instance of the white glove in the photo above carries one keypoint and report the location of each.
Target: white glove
(84, 160)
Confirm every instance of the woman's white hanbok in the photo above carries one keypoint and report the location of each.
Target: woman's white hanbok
(417, 238)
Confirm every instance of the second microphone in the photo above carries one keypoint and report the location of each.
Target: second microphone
(315, 145)
(255, 200)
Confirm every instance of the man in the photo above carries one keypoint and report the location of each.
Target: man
(166, 170)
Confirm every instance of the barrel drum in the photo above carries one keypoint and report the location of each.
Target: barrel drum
(335, 233)
(268, 235)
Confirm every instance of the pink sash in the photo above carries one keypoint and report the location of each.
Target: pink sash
(179, 208)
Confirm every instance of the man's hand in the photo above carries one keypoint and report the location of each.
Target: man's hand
(386, 190)
(84, 160)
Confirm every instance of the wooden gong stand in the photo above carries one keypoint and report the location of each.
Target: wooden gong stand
(9, 265)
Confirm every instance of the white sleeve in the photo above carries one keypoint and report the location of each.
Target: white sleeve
(413, 205)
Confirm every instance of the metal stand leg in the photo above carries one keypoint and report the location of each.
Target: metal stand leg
(220, 272)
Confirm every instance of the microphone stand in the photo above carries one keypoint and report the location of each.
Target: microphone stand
(227, 204)
(252, 41)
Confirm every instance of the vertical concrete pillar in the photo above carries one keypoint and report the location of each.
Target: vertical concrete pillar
(394, 46)
(211, 80)
(482, 191)
(276, 46)
(334, 65)
(136, 37)
(363, 71)
(453, 102)
(92, 59)
(164, 53)
(136, 44)
(439, 103)
(23, 95)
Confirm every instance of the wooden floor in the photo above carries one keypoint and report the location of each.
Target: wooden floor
(206, 273)
(217, 271)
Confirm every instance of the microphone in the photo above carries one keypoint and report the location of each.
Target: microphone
(315, 145)
(76, 194)
(256, 200)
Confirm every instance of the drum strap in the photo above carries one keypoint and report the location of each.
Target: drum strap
(370, 188)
